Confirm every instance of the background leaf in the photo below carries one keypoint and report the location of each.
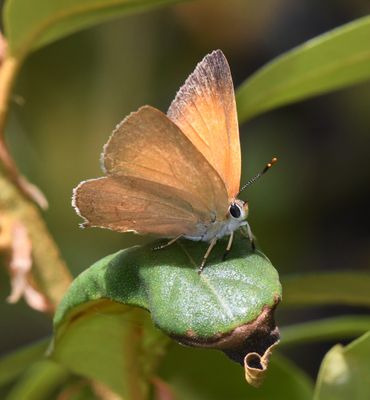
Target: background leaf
(16, 362)
(344, 372)
(327, 288)
(39, 381)
(31, 25)
(325, 329)
(336, 59)
(113, 344)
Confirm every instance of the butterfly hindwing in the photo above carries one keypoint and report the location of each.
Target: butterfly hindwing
(131, 204)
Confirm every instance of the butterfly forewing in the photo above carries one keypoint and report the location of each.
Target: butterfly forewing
(205, 110)
(149, 146)
(158, 182)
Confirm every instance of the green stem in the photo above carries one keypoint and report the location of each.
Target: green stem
(325, 329)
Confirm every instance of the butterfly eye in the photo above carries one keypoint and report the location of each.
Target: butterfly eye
(235, 211)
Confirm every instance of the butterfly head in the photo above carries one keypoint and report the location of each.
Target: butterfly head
(238, 210)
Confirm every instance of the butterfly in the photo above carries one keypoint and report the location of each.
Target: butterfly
(175, 175)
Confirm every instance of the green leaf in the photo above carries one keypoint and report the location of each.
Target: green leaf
(344, 372)
(325, 329)
(350, 288)
(98, 334)
(334, 60)
(166, 282)
(39, 382)
(112, 343)
(30, 25)
(199, 374)
(13, 364)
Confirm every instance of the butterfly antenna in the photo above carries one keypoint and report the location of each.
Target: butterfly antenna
(252, 180)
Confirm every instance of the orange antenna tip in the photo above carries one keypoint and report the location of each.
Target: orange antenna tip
(252, 180)
(269, 165)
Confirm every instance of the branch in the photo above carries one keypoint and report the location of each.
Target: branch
(49, 271)
(9, 67)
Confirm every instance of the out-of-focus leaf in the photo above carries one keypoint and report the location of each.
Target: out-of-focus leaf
(30, 25)
(334, 60)
(199, 374)
(351, 288)
(325, 329)
(98, 335)
(344, 372)
(39, 382)
(15, 363)
(112, 343)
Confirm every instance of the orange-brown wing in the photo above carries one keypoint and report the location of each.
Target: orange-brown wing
(131, 204)
(149, 146)
(205, 110)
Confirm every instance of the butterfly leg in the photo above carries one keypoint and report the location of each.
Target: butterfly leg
(162, 246)
(246, 230)
(228, 248)
(208, 252)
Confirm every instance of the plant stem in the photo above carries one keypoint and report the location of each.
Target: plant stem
(49, 271)
(8, 71)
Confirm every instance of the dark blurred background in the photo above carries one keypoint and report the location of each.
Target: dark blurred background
(309, 213)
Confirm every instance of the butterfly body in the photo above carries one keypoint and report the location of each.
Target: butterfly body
(217, 229)
(177, 174)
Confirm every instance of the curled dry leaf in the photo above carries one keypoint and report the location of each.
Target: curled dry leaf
(16, 244)
(255, 366)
